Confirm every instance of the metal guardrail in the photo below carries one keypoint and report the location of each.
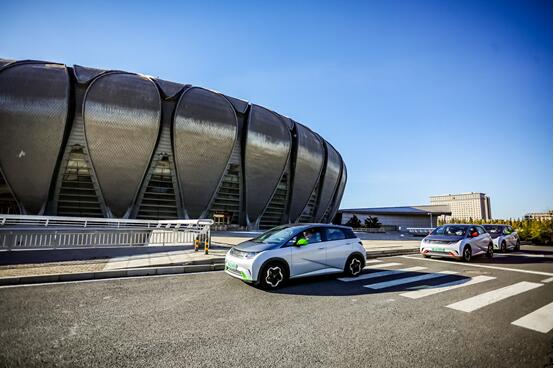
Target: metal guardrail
(43, 232)
(421, 231)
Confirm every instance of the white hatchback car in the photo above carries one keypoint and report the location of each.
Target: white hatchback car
(293, 251)
(457, 241)
(504, 237)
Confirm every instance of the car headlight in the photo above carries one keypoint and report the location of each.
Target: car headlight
(249, 254)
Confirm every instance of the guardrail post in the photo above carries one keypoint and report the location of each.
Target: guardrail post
(206, 244)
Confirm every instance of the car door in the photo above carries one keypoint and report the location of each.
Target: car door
(474, 241)
(337, 247)
(509, 236)
(483, 239)
(310, 257)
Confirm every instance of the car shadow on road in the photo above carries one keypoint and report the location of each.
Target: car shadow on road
(330, 285)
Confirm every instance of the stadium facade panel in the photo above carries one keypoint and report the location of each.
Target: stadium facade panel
(78, 141)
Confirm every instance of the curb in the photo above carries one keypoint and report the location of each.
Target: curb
(389, 253)
(132, 272)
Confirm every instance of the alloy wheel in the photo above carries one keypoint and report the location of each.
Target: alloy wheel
(355, 266)
(274, 276)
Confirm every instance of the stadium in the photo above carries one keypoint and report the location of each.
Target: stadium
(79, 141)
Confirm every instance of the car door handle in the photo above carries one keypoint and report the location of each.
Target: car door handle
(320, 248)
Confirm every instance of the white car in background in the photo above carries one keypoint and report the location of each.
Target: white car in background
(458, 241)
(504, 237)
(294, 251)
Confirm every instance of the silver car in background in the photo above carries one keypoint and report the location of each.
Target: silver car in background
(460, 241)
(504, 237)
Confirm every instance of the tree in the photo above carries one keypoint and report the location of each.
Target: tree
(372, 222)
(354, 222)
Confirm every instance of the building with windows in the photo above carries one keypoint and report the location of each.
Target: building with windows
(397, 218)
(78, 141)
(541, 216)
(465, 206)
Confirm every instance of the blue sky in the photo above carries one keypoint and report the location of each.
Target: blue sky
(420, 97)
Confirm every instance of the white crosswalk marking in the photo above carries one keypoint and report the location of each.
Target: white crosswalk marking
(435, 289)
(539, 320)
(482, 300)
(547, 280)
(382, 265)
(408, 280)
(372, 261)
(373, 275)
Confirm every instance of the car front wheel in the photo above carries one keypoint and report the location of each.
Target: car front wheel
(354, 265)
(490, 251)
(466, 256)
(503, 247)
(273, 275)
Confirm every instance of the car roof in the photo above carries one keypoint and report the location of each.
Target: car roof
(307, 226)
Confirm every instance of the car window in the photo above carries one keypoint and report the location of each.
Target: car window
(507, 230)
(312, 235)
(480, 230)
(472, 230)
(334, 234)
(450, 230)
(493, 230)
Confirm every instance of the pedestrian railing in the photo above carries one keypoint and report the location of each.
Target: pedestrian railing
(32, 232)
(421, 231)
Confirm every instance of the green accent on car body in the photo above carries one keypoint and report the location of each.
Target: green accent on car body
(302, 241)
(244, 276)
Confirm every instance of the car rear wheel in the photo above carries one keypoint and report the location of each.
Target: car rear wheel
(490, 250)
(503, 247)
(354, 265)
(273, 275)
(466, 255)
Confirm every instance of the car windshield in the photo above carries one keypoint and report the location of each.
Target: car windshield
(276, 235)
(450, 230)
(493, 229)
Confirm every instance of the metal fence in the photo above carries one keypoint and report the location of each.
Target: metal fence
(420, 231)
(32, 232)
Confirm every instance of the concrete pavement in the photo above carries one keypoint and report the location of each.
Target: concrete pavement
(213, 320)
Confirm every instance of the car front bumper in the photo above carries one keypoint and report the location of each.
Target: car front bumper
(239, 267)
(441, 250)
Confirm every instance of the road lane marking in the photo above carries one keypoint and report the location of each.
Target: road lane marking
(373, 275)
(382, 265)
(547, 280)
(515, 254)
(372, 261)
(409, 280)
(490, 297)
(435, 289)
(479, 265)
(539, 320)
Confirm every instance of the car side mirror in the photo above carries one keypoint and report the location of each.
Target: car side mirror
(301, 242)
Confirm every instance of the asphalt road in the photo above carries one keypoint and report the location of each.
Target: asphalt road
(213, 320)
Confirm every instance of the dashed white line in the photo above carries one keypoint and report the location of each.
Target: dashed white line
(539, 320)
(490, 297)
(479, 265)
(431, 290)
(409, 280)
(382, 265)
(373, 275)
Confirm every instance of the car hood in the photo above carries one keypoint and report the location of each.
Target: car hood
(250, 246)
(443, 238)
